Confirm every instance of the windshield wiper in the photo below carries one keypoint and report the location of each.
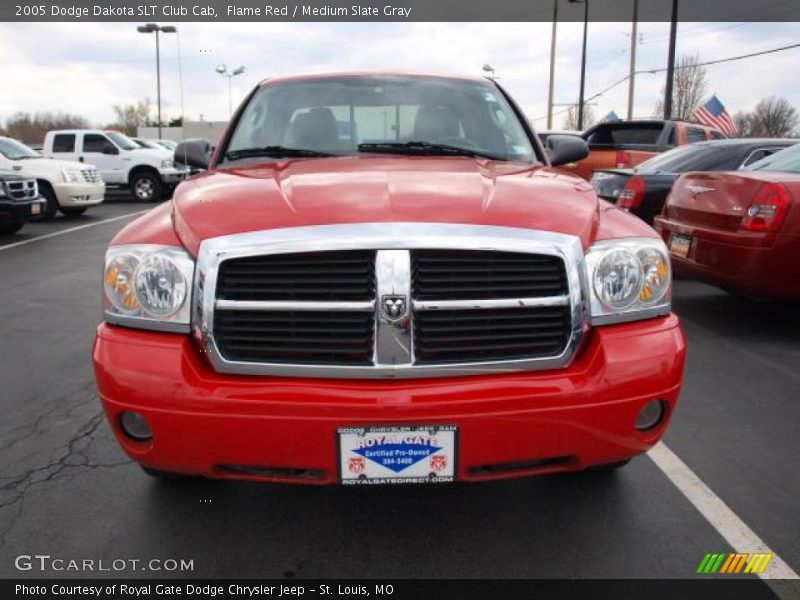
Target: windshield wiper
(275, 152)
(425, 148)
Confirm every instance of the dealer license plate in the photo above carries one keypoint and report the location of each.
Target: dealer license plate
(384, 455)
(679, 244)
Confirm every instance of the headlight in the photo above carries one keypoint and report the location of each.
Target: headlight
(629, 279)
(167, 164)
(148, 286)
(72, 175)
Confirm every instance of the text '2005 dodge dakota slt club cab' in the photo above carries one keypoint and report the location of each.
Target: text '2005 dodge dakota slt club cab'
(381, 279)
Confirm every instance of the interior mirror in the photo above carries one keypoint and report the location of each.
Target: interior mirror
(110, 149)
(194, 153)
(563, 149)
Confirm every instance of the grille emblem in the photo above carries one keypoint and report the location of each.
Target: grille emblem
(394, 307)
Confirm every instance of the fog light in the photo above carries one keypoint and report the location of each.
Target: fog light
(135, 426)
(650, 415)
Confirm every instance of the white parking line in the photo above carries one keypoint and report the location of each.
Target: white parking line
(725, 521)
(71, 229)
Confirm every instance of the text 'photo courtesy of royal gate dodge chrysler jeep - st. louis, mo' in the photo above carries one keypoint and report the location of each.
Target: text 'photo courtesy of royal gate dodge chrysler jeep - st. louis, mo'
(382, 278)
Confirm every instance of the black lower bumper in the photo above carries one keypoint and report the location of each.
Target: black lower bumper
(18, 211)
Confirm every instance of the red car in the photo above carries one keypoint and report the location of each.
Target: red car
(380, 279)
(739, 230)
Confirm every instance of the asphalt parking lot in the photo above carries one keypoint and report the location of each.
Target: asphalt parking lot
(68, 491)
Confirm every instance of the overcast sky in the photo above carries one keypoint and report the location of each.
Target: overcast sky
(85, 68)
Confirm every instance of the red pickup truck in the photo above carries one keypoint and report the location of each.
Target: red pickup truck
(625, 144)
(380, 278)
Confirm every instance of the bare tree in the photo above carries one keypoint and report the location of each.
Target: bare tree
(774, 117)
(31, 129)
(132, 116)
(744, 123)
(688, 90)
(571, 119)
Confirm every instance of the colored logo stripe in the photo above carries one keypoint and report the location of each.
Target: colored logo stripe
(734, 562)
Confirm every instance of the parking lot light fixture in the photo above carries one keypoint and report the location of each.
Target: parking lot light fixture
(223, 70)
(489, 69)
(155, 28)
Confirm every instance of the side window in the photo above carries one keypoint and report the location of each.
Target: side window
(64, 142)
(695, 134)
(758, 155)
(94, 142)
(717, 135)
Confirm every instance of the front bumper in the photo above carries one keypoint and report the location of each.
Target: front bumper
(507, 424)
(15, 211)
(173, 175)
(79, 194)
(760, 265)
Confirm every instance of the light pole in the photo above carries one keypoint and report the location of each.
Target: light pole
(223, 70)
(552, 66)
(489, 69)
(583, 58)
(632, 74)
(155, 28)
(673, 32)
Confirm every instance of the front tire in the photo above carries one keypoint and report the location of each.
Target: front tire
(147, 187)
(73, 211)
(9, 228)
(50, 207)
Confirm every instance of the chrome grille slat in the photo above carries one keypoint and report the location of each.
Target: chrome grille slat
(314, 301)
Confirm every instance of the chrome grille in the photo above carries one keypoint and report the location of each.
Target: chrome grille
(389, 300)
(91, 175)
(22, 190)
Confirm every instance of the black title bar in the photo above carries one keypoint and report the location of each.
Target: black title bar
(393, 10)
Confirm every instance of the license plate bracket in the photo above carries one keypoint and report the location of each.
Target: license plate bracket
(376, 455)
(679, 244)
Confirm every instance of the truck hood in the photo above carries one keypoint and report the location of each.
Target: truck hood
(47, 166)
(373, 189)
(151, 155)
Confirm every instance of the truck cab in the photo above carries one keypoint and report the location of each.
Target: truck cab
(149, 173)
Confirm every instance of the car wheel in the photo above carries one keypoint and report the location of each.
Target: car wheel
(147, 187)
(166, 475)
(73, 211)
(50, 207)
(9, 228)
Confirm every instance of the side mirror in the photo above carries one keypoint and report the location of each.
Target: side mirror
(563, 149)
(194, 153)
(110, 149)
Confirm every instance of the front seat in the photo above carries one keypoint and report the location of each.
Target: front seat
(316, 130)
(436, 122)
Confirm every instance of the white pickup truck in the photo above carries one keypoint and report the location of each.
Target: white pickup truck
(68, 186)
(150, 174)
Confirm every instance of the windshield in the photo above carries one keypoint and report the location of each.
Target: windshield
(14, 150)
(334, 116)
(692, 157)
(787, 160)
(148, 144)
(121, 140)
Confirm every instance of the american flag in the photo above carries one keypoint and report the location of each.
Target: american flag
(713, 114)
